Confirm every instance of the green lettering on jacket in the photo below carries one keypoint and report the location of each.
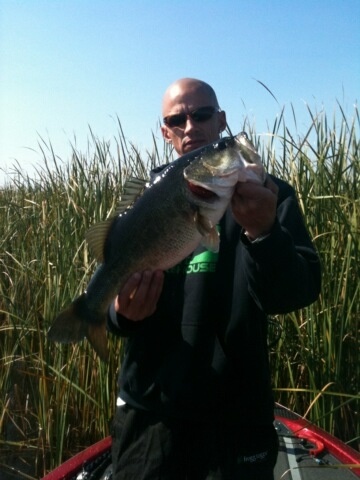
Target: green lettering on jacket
(204, 262)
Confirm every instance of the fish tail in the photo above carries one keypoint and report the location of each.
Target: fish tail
(74, 324)
(97, 337)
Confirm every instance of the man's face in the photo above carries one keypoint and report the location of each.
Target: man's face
(192, 133)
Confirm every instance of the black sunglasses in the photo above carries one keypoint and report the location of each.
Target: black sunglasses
(198, 115)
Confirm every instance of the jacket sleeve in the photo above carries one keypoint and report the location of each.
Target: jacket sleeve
(283, 269)
(122, 326)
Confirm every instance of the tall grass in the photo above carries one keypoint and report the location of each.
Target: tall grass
(55, 400)
(316, 363)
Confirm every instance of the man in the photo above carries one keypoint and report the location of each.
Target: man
(195, 398)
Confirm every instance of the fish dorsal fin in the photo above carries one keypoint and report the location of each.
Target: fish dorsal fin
(133, 189)
(96, 236)
(210, 235)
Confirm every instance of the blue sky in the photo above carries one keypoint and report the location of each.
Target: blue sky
(70, 64)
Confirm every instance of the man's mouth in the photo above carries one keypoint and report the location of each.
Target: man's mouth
(191, 144)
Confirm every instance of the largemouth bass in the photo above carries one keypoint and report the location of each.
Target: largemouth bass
(176, 212)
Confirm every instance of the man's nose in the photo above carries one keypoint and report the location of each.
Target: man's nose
(189, 125)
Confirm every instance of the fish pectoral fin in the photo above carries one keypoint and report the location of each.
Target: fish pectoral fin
(203, 224)
(211, 240)
(210, 235)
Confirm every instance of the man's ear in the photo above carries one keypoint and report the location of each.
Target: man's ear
(222, 121)
(165, 134)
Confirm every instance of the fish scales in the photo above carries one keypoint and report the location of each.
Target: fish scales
(166, 223)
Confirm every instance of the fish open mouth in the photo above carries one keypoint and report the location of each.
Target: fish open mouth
(200, 191)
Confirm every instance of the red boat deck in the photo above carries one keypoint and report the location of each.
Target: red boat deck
(309, 453)
(306, 453)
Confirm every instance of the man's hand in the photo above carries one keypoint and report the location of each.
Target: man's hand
(254, 207)
(139, 296)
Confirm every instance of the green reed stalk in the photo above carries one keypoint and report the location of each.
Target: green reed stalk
(55, 399)
(321, 343)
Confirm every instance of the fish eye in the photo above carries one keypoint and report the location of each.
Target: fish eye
(224, 143)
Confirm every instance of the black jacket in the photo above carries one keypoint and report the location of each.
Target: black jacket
(204, 351)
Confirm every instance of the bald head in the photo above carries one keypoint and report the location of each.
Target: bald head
(186, 88)
(185, 98)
